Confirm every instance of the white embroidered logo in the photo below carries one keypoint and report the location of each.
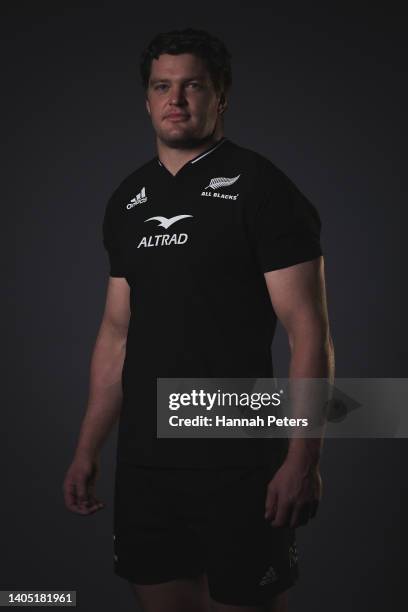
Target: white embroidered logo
(269, 577)
(139, 198)
(293, 555)
(164, 222)
(164, 239)
(222, 181)
(217, 183)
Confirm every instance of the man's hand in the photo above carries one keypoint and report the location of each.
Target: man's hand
(293, 494)
(79, 485)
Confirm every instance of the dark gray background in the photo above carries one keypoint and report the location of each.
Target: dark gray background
(320, 91)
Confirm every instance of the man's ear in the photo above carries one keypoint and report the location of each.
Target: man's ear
(223, 103)
(148, 106)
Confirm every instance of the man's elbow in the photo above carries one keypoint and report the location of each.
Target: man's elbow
(316, 336)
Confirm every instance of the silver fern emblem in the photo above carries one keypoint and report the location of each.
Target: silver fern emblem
(222, 181)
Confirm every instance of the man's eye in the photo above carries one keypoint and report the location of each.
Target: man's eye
(161, 86)
(195, 85)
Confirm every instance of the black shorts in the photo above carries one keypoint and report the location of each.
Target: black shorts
(178, 523)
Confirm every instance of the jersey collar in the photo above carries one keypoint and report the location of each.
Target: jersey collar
(196, 159)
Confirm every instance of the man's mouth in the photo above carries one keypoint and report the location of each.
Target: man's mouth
(176, 117)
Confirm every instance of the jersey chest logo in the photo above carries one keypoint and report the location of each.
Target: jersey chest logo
(164, 239)
(140, 198)
(164, 222)
(220, 182)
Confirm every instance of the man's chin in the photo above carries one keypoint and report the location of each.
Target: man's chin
(181, 140)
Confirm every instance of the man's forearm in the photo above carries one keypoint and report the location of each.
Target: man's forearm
(105, 390)
(310, 359)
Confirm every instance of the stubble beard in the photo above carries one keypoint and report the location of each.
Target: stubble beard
(183, 140)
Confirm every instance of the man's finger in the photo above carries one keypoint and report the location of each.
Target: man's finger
(271, 503)
(282, 514)
(94, 502)
(98, 505)
(70, 496)
(313, 509)
(82, 493)
(91, 509)
(300, 515)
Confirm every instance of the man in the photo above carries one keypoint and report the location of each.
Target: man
(209, 243)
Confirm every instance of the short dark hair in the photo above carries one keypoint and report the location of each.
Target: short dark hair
(197, 42)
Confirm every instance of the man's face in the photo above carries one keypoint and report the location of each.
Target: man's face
(181, 99)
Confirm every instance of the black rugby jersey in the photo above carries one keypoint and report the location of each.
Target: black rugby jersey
(194, 248)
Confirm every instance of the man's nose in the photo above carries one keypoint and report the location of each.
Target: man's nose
(177, 95)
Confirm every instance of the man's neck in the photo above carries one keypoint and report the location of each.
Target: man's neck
(175, 158)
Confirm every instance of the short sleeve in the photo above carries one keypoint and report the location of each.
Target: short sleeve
(111, 242)
(285, 226)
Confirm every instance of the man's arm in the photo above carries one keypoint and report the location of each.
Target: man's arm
(105, 389)
(298, 296)
(104, 399)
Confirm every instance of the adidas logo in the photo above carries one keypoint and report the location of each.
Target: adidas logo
(139, 198)
(269, 577)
